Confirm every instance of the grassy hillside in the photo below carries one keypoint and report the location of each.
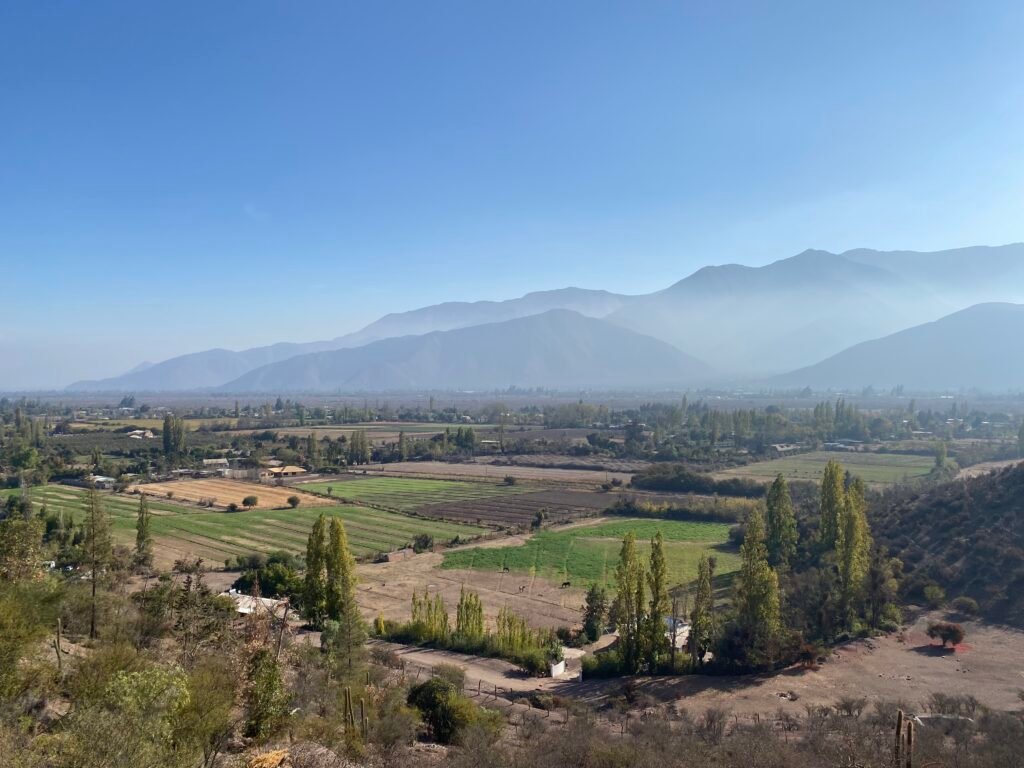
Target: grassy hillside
(966, 536)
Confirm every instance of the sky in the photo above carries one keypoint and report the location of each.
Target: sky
(179, 176)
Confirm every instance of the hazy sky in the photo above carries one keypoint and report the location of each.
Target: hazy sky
(182, 175)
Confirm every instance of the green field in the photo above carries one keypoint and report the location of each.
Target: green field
(219, 535)
(410, 493)
(874, 468)
(588, 554)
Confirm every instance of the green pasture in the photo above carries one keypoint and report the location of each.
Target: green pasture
(588, 554)
(874, 468)
(407, 494)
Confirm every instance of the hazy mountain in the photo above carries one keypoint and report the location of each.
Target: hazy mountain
(211, 368)
(975, 347)
(787, 314)
(559, 349)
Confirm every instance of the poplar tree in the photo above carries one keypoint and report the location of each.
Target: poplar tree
(403, 446)
(757, 587)
(313, 451)
(97, 547)
(629, 603)
(143, 536)
(702, 617)
(469, 617)
(595, 611)
(314, 588)
(833, 504)
(853, 550)
(656, 643)
(342, 608)
(782, 533)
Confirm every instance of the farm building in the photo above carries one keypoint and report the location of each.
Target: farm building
(102, 482)
(215, 463)
(246, 604)
(399, 555)
(287, 471)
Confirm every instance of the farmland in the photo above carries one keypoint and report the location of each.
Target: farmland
(215, 536)
(519, 510)
(407, 494)
(588, 554)
(873, 468)
(478, 471)
(221, 492)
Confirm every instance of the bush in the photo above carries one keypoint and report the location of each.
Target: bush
(423, 542)
(232, 507)
(445, 711)
(293, 501)
(602, 665)
(968, 606)
(947, 632)
(250, 501)
(934, 595)
(510, 480)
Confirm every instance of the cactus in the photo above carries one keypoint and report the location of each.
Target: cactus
(910, 744)
(897, 749)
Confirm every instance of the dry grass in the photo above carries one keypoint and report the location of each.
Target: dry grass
(223, 492)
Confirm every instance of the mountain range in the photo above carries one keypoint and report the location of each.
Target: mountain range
(731, 322)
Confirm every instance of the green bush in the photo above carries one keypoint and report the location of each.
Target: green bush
(934, 595)
(968, 606)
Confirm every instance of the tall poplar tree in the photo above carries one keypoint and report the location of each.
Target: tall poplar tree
(702, 617)
(629, 603)
(469, 617)
(757, 587)
(656, 643)
(341, 596)
(853, 550)
(143, 536)
(782, 533)
(314, 587)
(833, 505)
(97, 548)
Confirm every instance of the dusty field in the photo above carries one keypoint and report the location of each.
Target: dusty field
(468, 471)
(558, 461)
(518, 511)
(224, 492)
(985, 467)
(386, 588)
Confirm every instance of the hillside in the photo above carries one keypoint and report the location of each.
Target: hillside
(968, 536)
(558, 349)
(963, 350)
(211, 368)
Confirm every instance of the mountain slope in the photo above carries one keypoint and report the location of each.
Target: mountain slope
(969, 348)
(559, 349)
(211, 368)
(967, 536)
(787, 314)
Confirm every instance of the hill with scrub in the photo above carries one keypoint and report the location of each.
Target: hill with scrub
(966, 536)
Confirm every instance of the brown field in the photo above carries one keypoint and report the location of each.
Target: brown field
(557, 461)
(518, 510)
(473, 471)
(224, 492)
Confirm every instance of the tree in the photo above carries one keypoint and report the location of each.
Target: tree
(782, 533)
(629, 602)
(341, 606)
(833, 503)
(265, 695)
(250, 501)
(97, 547)
(853, 550)
(655, 642)
(143, 536)
(757, 588)
(702, 618)
(595, 612)
(294, 501)
(947, 632)
(941, 453)
(403, 446)
(314, 590)
(312, 452)
(469, 617)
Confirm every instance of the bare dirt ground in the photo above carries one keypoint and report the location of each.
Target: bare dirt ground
(472, 471)
(555, 460)
(985, 467)
(224, 492)
(386, 588)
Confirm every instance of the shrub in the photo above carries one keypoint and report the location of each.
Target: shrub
(250, 501)
(934, 595)
(423, 542)
(232, 507)
(947, 632)
(452, 673)
(293, 501)
(510, 480)
(968, 606)
(445, 711)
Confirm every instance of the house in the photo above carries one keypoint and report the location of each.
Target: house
(102, 482)
(215, 463)
(287, 471)
(247, 604)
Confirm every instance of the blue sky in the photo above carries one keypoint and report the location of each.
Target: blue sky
(191, 174)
